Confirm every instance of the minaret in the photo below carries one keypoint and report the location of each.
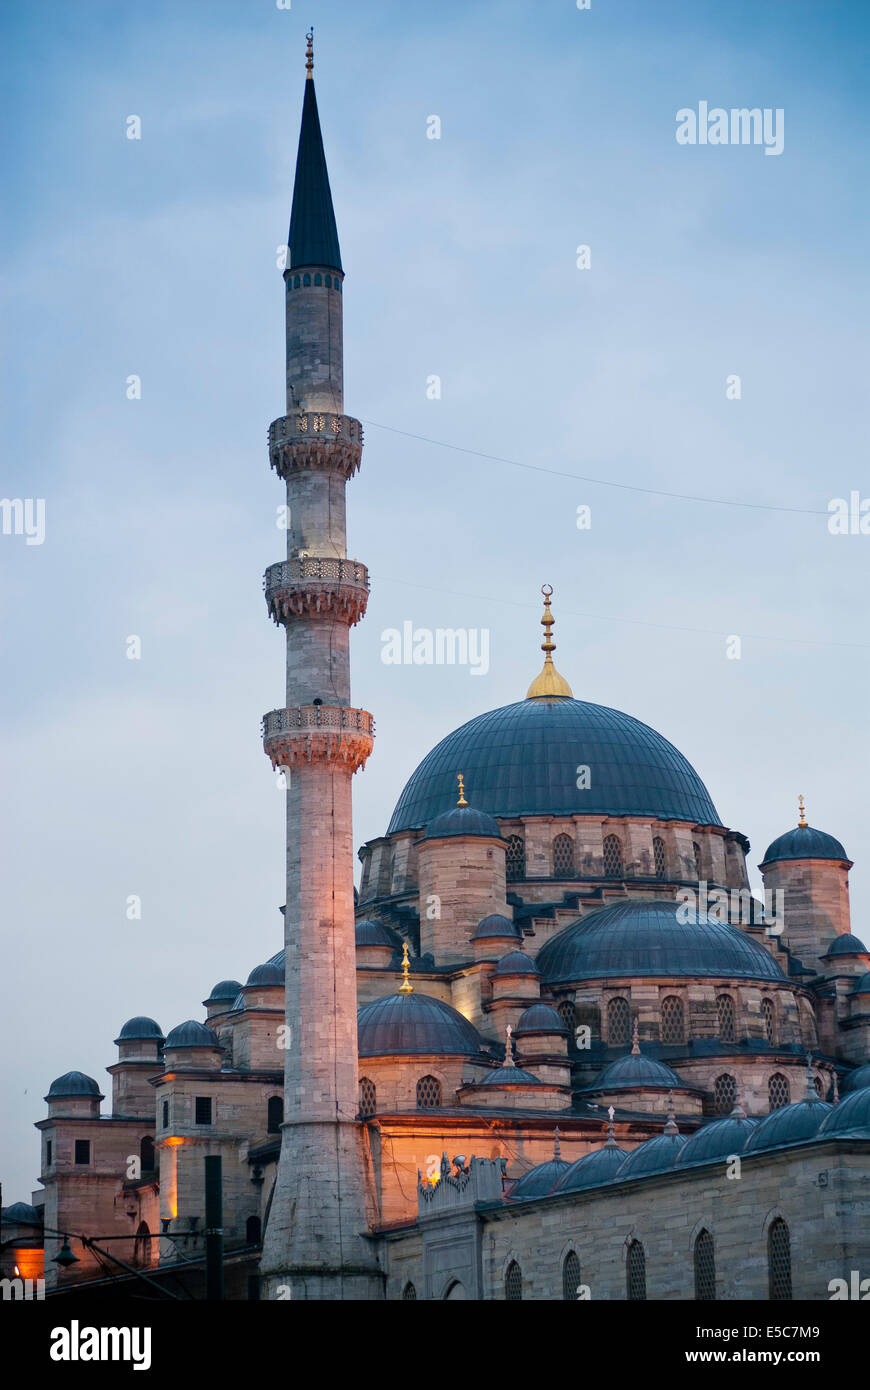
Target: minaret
(314, 1243)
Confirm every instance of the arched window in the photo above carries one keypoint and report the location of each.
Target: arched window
(768, 1018)
(409, 1293)
(778, 1091)
(724, 1093)
(274, 1115)
(725, 1010)
(570, 1276)
(618, 1021)
(659, 860)
(568, 1015)
(306, 279)
(142, 1245)
(705, 1267)
(613, 867)
(368, 1097)
(513, 1283)
(673, 1029)
(252, 1230)
(779, 1261)
(428, 1092)
(146, 1154)
(296, 282)
(696, 851)
(515, 858)
(318, 279)
(563, 857)
(635, 1272)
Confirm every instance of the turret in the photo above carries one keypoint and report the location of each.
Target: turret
(811, 869)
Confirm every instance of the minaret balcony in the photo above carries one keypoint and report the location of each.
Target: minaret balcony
(318, 733)
(315, 586)
(310, 439)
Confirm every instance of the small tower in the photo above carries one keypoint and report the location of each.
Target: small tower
(812, 870)
(461, 867)
(314, 1241)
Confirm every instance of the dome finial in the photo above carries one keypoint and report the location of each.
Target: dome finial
(611, 1133)
(405, 987)
(802, 813)
(460, 780)
(738, 1113)
(671, 1126)
(557, 1147)
(811, 1092)
(549, 682)
(508, 1048)
(309, 53)
(635, 1039)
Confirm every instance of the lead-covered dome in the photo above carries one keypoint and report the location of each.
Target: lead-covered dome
(633, 1071)
(140, 1029)
(191, 1034)
(857, 1080)
(415, 1025)
(462, 820)
(803, 842)
(850, 1116)
(73, 1083)
(593, 1169)
(717, 1139)
(789, 1125)
(641, 938)
(656, 1155)
(522, 760)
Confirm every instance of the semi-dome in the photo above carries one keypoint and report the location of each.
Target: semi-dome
(851, 1115)
(191, 1034)
(415, 1024)
(73, 1083)
(789, 1125)
(22, 1214)
(269, 973)
(803, 842)
(225, 991)
(140, 1028)
(522, 760)
(633, 1071)
(462, 820)
(593, 1168)
(516, 963)
(640, 938)
(368, 933)
(655, 1156)
(846, 945)
(717, 1139)
(540, 1180)
(496, 925)
(540, 1018)
(857, 1080)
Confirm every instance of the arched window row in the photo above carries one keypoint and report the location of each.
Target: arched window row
(331, 282)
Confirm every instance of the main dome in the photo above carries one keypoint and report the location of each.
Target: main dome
(522, 760)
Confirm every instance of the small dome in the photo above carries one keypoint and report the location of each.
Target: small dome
(862, 986)
(541, 1180)
(191, 1034)
(510, 1076)
(224, 992)
(803, 842)
(22, 1214)
(788, 1125)
(641, 938)
(140, 1028)
(267, 974)
(495, 925)
(73, 1083)
(717, 1139)
(850, 1115)
(655, 1156)
(635, 1070)
(540, 1018)
(462, 820)
(369, 933)
(856, 1080)
(415, 1025)
(516, 963)
(846, 945)
(593, 1168)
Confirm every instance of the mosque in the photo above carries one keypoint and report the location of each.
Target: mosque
(510, 1065)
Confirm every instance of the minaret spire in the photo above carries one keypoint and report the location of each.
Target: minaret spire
(549, 682)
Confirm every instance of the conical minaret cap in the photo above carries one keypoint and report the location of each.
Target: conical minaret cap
(313, 236)
(549, 682)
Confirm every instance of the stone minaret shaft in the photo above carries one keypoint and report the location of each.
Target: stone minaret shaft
(314, 1239)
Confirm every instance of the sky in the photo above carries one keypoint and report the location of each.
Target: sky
(605, 387)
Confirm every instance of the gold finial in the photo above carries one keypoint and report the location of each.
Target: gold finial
(405, 987)
(802, 820)
(549, 682)
(309, 53)
(635, 1039)
(461, 781)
